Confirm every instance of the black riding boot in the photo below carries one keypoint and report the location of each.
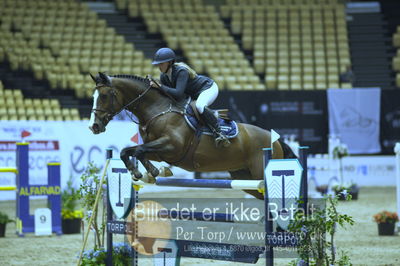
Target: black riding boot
(212, 122)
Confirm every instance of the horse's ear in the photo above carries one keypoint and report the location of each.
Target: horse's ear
(105, 79)
(94, 79)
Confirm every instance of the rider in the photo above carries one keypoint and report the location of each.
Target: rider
(178, 79)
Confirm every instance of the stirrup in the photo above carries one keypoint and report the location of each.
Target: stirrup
(222, 141)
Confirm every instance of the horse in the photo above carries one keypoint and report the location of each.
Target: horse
(167, 136)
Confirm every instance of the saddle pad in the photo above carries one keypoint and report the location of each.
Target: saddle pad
(228, 127)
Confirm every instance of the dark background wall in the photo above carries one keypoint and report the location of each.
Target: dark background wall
(304, 114)
(390, 120)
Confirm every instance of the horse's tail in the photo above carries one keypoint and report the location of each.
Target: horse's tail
(287, 151)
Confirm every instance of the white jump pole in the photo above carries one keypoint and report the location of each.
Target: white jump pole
(397, 152)
(205, 183)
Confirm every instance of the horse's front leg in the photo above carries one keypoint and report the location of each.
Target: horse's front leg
(126, 155)
(159, 145)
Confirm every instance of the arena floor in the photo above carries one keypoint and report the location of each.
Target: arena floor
(361, 241)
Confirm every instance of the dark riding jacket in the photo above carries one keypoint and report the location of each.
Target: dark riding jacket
(182, 83)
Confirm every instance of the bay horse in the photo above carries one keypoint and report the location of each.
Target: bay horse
(167, 136)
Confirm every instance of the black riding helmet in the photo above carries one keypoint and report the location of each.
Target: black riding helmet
(163, 55)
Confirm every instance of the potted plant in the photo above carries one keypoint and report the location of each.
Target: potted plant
(339, 152)
(70, 214)
(4, 220)
(386, 222)
(316, 233)
(346, 189)
(122, 255)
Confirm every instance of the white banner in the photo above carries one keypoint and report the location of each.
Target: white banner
(354, 117)
(361, 170)
(68, 142)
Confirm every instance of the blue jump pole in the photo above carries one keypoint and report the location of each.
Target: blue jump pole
(54, 180)
(269, 250)
(109, 259)
(303, 153)
(199, 183)
(25, 221)
(205, 183)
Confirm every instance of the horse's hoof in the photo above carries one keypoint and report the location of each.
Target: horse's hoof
(148, 178)
(165, 171)
(136, 175)
(155, 172)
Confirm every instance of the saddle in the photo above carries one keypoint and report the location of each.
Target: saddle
(228, 127)
(195, 122)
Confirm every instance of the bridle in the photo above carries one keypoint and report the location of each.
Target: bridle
(111, 113)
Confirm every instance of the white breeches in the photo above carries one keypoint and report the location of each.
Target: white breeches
(207, 97)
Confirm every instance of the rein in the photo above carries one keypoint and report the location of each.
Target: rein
(170, 110)
(132, 102)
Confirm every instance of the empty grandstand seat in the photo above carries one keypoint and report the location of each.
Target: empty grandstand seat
(54, 36)
(291, 39)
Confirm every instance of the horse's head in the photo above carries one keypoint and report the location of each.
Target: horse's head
(107, 102)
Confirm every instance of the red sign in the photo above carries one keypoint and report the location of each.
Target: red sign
(135, 138)
(34, 145)
(25, 134)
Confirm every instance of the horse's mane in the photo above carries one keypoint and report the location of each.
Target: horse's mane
(124, 76)
(146, 81)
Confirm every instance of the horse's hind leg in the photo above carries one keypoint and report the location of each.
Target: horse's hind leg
(256, 169)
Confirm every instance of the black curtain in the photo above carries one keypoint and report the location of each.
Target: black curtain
(390, 120)
(304, 114)
(299, 113)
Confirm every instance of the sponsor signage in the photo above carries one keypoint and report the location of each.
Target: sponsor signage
(120, 190)
(283, 179)
(362, 170)
(119, 227)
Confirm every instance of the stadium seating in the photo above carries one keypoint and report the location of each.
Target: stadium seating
(295, 44)
(62, 41)
(196, 28)
(13, 106)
